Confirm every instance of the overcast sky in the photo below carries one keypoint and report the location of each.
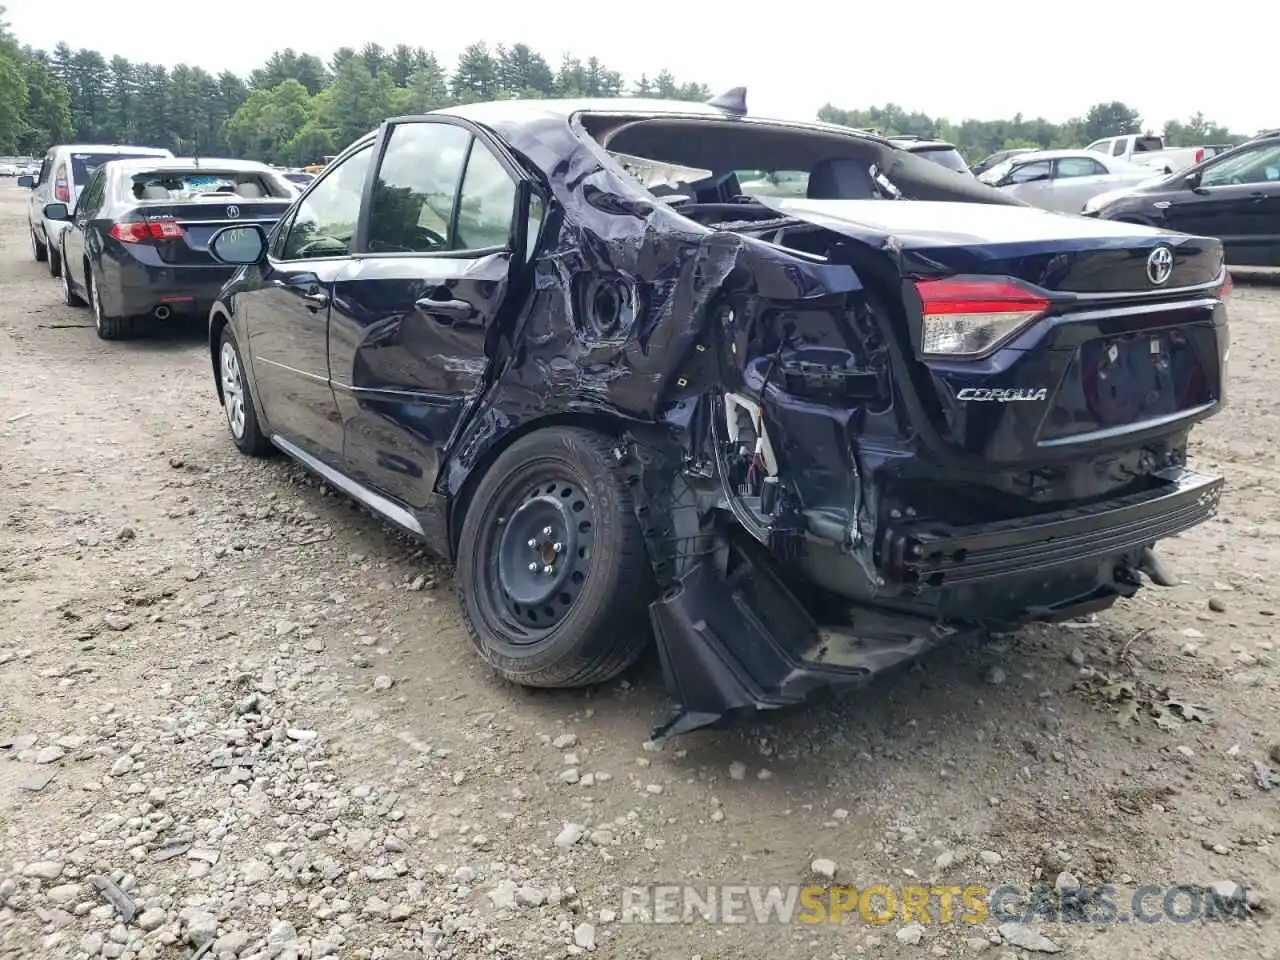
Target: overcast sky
(956, 60)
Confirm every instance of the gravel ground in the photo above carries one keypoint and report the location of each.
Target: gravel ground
(240, 718)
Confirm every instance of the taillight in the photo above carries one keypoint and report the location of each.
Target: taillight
(966, 318)
(61, 192)
(1227, 286)
(144, 231)
(1199, 154)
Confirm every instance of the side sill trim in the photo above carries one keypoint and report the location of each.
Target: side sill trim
(374, 501)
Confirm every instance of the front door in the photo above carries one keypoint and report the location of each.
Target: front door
(287, 310)
(1236, 201)
(412, 317)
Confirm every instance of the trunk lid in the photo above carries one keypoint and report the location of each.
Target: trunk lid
(200, 218)
(1054, 251)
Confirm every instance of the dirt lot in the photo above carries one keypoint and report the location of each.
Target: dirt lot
(252, 708)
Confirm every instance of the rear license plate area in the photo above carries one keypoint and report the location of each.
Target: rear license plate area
(1127, 380)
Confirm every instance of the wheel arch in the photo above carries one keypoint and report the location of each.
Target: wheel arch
(602, 423)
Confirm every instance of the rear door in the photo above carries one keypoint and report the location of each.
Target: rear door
(1075, 180)
(411, 316)
(287, 310)
(75, 238)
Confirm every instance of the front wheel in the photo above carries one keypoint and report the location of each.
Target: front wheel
(55, 261)
(237, 402)
(553, 575)
(38, 249)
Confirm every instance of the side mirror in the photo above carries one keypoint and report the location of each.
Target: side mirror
(1192, 180)
(238, 246)
(27, 180)
(56, 211)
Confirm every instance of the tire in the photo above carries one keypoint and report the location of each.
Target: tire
(591, 621)
(237, 401)
(55, 262)
(109, 328)
(69, 296)
(38, 249)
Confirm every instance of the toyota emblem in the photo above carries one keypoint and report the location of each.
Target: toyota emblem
(233, 211)
(1160, 266)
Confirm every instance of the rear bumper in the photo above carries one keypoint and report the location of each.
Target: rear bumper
(140, 288)
(746, 642)
(943, 556)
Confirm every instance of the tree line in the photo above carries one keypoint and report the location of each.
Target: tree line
(976, 139)
(297, 108)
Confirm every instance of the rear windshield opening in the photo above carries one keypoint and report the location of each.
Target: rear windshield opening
(1148, 145)
(194, 184)
(83, 165)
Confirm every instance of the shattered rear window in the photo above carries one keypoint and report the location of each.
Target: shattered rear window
(182, 185)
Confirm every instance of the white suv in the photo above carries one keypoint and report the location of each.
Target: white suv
(63, 174)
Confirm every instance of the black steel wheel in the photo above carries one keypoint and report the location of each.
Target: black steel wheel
(553, 574)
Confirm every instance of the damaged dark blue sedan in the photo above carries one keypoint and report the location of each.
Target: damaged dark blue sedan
(786, 399)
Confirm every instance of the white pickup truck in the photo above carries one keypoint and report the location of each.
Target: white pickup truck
(1148, 151)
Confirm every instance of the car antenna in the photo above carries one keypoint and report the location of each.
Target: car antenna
(731, 101)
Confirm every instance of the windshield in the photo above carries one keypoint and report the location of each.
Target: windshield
(948, 157)
(997, 173)
(84, 165)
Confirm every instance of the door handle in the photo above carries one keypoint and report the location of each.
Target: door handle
(316, 299)
(446, 311)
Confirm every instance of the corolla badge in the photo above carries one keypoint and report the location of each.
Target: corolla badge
(1005, 395)
(1160, 266)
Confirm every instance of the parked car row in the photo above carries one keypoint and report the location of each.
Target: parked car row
(127, 228)
(1233, 196)
(796, 438)
(16, 166)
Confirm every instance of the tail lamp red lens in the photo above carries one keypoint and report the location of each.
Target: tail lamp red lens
(144, 231)
(62, 192)
(968, 317)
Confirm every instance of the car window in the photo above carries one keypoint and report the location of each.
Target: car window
(947, 157)
(1079, 167)
(773, 183)
(1029, 172)
(1118, 148)
(83, 165)
(416, 187)
(486, 204)
(324, 224)
(1098, 146)
(1258, 165)
(44, 171)
(91, 198)
(191, 184)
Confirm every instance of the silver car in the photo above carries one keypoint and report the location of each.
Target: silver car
(1064, 180)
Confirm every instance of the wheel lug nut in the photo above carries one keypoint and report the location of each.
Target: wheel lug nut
(546, 531)
(533, 568)
(533, 544)
(547, 570)
(557, 546)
